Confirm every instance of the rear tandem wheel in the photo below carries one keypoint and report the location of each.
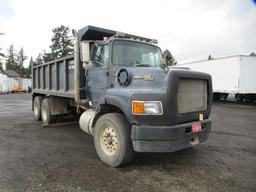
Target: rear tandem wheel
(47, 117)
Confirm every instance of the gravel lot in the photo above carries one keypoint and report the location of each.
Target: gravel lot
(64, 159)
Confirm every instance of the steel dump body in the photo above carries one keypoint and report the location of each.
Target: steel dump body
(55, 78)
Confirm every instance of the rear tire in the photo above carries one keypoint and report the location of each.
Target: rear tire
(225, 96)
(239, 97)
(249, 97)
(112, 139)
(46, 115)
(216, 96)
(37, 107)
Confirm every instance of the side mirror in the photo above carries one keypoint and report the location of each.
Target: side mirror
(163, 63)
(85, 55)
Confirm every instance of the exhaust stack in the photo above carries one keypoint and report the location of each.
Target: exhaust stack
(77, 70)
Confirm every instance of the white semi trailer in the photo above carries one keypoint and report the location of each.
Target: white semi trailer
(230, 75)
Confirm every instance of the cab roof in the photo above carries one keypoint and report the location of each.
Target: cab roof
(96, 33)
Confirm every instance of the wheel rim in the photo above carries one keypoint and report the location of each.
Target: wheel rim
(108, 141)
(36, 111)
(44, 115)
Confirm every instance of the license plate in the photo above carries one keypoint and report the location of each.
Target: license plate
(196, 127)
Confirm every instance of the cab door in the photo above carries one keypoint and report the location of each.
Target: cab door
(97, 76)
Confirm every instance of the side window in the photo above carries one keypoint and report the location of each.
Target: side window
(101, 56)
(105, 53)
(98, 55)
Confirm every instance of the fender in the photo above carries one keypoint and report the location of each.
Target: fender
(122, 102)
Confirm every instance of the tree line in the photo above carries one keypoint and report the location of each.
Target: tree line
(62, 45)
(14, 60)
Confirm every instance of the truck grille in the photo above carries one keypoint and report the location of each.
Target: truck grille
(192, 95)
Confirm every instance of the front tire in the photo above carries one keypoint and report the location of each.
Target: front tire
(112, 139)
(46, 115)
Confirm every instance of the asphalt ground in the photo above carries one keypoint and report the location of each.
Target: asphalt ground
(64, 158)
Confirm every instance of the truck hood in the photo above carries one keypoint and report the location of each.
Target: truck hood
(158, 85)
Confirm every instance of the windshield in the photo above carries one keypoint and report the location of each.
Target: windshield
(135, 53)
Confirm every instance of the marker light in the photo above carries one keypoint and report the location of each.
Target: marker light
(147, 108)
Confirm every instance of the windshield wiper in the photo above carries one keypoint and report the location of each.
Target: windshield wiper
(142, 65)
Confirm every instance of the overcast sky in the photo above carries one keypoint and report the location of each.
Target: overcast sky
(190, 29)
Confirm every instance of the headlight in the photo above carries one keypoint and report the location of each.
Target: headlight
(147, 108)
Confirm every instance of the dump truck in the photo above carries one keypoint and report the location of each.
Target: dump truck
(128, 99)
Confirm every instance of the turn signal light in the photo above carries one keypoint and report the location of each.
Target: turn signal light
(147, 108)
(138, 107)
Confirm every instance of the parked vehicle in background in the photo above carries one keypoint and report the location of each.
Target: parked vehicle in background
(11, 82)
(7, 80)
(230, 75)
(128, 99)
(17, 87)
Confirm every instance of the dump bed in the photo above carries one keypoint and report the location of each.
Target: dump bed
(55, 78)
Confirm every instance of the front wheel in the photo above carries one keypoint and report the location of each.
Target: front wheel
(112, 139)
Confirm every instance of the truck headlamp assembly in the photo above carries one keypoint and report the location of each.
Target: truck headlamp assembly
(147, 108)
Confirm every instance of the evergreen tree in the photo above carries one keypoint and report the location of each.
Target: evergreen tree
(252, 54)
(15, 62)
(28, 70)
(48, 56)
(1, 56)
(170, 60)
(62, 42)
(39, 59)
(31, 62)
(1, 63)
(20, 61)
(21, 58)
(62, 45)
(11, 59)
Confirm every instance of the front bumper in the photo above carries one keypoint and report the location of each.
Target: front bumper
(147, 138)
